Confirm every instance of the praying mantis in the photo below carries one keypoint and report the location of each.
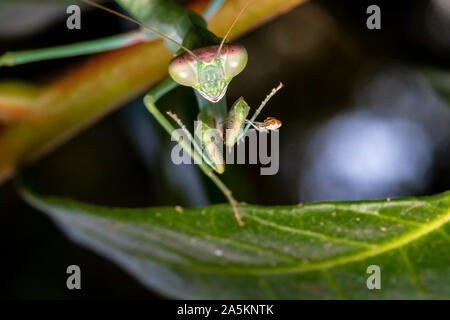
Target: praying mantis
(203, 61)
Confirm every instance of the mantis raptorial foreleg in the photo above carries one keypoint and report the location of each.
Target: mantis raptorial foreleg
(258, 111)
(191, 139)
(150, 100)
(248, 122)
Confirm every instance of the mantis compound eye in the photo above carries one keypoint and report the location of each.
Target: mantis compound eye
(236, 60)
(183, 72)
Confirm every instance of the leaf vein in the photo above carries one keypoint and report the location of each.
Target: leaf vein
(310, 233)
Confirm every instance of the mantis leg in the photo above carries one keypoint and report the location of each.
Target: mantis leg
(70, 50)
(252, 124)
(191, 139)
(212, 8)
(261, 106)
(13, 58)
(149, 100)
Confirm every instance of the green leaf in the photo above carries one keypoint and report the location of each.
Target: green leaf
(312, 251)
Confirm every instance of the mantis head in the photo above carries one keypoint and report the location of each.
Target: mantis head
(209, 71)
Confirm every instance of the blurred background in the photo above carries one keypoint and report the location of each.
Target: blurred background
(360, 121)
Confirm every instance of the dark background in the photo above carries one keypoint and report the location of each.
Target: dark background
(360, 122)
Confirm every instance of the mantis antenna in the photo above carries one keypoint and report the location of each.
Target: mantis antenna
(162, 35)
(231, 27)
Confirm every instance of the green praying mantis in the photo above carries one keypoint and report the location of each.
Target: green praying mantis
(203, 61)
